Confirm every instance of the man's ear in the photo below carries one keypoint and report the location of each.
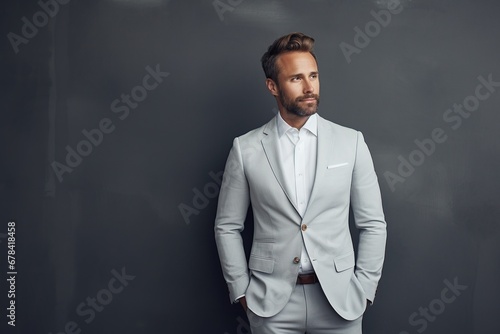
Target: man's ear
(272, 86)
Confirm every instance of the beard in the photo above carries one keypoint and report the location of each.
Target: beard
(292, 105)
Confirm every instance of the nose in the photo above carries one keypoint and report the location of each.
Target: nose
(308, 87)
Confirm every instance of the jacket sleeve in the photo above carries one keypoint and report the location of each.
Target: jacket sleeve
(232, 209)
(369, 219)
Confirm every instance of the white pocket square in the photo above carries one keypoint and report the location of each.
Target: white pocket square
(337, 165)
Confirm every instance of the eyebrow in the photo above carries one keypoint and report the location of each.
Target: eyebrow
(300, 74)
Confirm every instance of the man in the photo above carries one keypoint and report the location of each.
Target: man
(300, 173)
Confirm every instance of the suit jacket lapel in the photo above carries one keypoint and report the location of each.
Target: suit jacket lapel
(270, 144)
(325, 149)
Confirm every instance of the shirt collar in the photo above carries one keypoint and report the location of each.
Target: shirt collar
(311, 125)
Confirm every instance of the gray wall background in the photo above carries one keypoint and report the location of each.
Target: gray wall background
(118, 209)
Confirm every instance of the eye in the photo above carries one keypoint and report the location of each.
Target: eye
(297, 78)
(314, 76)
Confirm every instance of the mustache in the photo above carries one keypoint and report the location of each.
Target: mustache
(308, 96)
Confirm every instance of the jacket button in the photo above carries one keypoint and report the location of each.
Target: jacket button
(304, 227)
(296, 260)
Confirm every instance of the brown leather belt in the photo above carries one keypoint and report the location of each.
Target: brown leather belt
(307, 278)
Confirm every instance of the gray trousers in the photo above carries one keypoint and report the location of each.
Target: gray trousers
(307, 311)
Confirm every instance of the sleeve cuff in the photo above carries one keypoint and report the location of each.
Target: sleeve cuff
(237, 300)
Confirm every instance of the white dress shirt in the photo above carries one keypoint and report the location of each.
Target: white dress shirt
(298, 151)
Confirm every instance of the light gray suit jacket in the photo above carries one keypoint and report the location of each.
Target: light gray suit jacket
(344, 176)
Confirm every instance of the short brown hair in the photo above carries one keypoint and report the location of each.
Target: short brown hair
(295, 41)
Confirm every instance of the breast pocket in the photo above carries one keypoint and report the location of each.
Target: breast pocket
(338, 178)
